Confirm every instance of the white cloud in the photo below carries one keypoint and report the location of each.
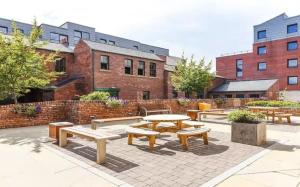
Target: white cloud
(200, 27)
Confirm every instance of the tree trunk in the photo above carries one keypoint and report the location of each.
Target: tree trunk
(15, 98)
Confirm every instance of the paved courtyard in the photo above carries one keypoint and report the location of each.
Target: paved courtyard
(168, 164)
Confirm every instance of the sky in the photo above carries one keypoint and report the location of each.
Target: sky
(202, 28)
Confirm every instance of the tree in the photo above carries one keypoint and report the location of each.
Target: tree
(21, 66)
(190, 76)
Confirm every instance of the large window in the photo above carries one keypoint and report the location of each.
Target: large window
(239, 68)
(152, 69)
(292, 80)
(261, 34)
(3, 30)
(110, 42)
(292, 63)
(80, 34)
(58, 38)
(292, 45)
(254, 95)
(141, 69)
(128, 67)
(292, 28)
(60, 65)
(146, 95)
(261, 66)
(261, 50)
(104, 62)
(240, 96)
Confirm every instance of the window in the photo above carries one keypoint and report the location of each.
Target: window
(21, 31)
(240, 96)
(103, 41)
(254, 95)
(292, 45)
(104, 62)
(3, 30)
(151, 51)
(128, 66)
(261, 66)
(60, 65)
(239, 68)
(292, 28)
(174, 92)
(136, 47)
(292, 63)
(228, 96)
(110, 42)
(152, 69)
(292, 80)
(261, 50)
(215, 96)
(58, 38)
(85, 35)
(261, 34)
(146, 95)
(79, 34)
(141, 69)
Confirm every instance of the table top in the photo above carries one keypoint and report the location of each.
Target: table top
(166, 117)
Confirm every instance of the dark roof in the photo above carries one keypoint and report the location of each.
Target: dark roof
(245, 86)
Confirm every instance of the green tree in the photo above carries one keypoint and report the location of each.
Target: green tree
(190, 76)
(21, 66)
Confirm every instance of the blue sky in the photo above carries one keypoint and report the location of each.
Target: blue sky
(204, 28)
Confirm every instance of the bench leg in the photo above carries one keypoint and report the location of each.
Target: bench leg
(130, 137)
(199, 117)
(151, 141)
(101, 151)
(205, 138)
(289, 119)
(184, 142)
(62, 138)
(279, 119)
(93, 125)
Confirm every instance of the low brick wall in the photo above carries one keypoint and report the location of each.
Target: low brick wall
(79, 112)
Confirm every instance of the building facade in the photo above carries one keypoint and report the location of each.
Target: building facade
(275, 54)
(92, 61)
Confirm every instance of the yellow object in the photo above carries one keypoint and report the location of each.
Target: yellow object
(204, 106)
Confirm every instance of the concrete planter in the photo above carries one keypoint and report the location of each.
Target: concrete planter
(251, 134)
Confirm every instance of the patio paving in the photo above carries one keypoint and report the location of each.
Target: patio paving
(168, 164)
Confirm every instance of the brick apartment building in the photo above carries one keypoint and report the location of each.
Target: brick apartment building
(92, 61)
(275, 55)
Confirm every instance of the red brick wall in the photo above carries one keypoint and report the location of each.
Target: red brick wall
(276, 58)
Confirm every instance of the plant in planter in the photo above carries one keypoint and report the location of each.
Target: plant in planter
(247, 128)
(184, 101)
(219, 102)
(114, 103)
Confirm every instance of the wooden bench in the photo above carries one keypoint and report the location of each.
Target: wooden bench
(138, 132)
(210, 113)
(184, 135)
(195, 124)
(216, 110)
(99, 137)
(141, 124)
(155, 110)
(281, 115)
(96, 122)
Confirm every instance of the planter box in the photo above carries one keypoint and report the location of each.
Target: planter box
(251, 134)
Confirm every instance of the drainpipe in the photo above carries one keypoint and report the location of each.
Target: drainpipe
(93, 69)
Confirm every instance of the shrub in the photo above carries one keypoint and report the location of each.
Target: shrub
(184, 101)
(27, 110)
(274, 103)
(114, 103)
(244, 116)
(96, 96)
(219, 101)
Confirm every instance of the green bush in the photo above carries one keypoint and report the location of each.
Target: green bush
(114, 103)
(274, 103)
(184, 101)
(244, 116)
(26, 110)
(96, 96)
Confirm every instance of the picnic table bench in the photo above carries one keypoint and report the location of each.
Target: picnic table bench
(99, 137)
(96, 122)
(283, 115)
(139, 132)
(184, 135)
(204, 114)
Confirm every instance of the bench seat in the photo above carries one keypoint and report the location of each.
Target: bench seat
(141, 124)
(204, 114)
(140, 132)
(283, 115)
(184, 135)
(96, 122)
(97, 136)
(195, 124)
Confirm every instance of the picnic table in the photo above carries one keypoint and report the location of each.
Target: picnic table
(156, 119)
(270, 111)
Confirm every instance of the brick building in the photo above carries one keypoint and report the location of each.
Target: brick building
(93, 61)
(274, 55)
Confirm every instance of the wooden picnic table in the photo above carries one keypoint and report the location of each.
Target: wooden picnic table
(156, 119)
(272, 110)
